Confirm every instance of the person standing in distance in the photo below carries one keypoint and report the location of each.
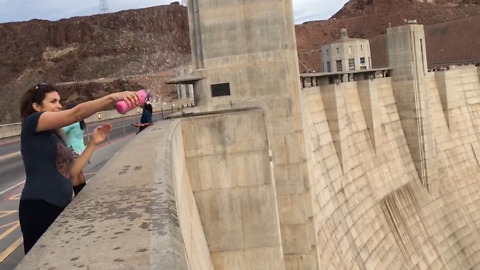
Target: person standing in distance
(146, 118)
(46, 158)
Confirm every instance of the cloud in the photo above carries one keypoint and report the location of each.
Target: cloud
(127, 4)
(48, 10)
(313, 10)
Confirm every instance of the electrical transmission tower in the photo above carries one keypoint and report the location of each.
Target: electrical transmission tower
(103, 6)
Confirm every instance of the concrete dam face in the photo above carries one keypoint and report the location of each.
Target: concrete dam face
(350, 171)
(369, 206)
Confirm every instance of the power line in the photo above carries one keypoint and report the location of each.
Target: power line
(103, 6)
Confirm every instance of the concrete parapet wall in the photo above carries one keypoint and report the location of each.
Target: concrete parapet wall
(138, 212)
(10, 130)
(196, 247)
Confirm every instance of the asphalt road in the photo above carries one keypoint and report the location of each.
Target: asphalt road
(12, 179)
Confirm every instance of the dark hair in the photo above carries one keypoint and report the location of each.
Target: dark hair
(72, 104)
(35, 94)
(148, 107)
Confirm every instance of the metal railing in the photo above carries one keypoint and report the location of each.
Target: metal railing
(14, 129)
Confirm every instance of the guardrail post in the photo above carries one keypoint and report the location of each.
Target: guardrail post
(108, 136)
(88, 134)
(123, 124)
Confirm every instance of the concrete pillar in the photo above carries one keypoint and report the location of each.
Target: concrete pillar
(179, 91)
(407, 58)
(248, 51)
(195, 34)
(184, 90)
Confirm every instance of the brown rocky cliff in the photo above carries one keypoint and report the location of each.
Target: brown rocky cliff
(150, 31)
(361, 7)
(118, 45)
(311, 36)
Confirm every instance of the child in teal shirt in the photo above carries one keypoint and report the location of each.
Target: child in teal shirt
(74, 140)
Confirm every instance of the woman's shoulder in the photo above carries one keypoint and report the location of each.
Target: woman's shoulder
(32, 119)
(29, 126)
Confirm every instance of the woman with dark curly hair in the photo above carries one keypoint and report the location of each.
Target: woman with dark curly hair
(48, 162)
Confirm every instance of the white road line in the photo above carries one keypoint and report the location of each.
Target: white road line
(10, 188)
(11, 155)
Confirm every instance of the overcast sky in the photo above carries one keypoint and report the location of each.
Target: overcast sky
(24, 10)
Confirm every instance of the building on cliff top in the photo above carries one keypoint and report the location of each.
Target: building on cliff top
(346, 54)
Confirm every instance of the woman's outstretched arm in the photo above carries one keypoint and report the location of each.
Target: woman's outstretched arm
(55, 120)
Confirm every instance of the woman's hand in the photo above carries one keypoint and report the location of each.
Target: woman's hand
(98, 136)
(129, 97)
(100, 133)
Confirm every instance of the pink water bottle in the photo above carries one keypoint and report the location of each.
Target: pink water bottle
(123, 107)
